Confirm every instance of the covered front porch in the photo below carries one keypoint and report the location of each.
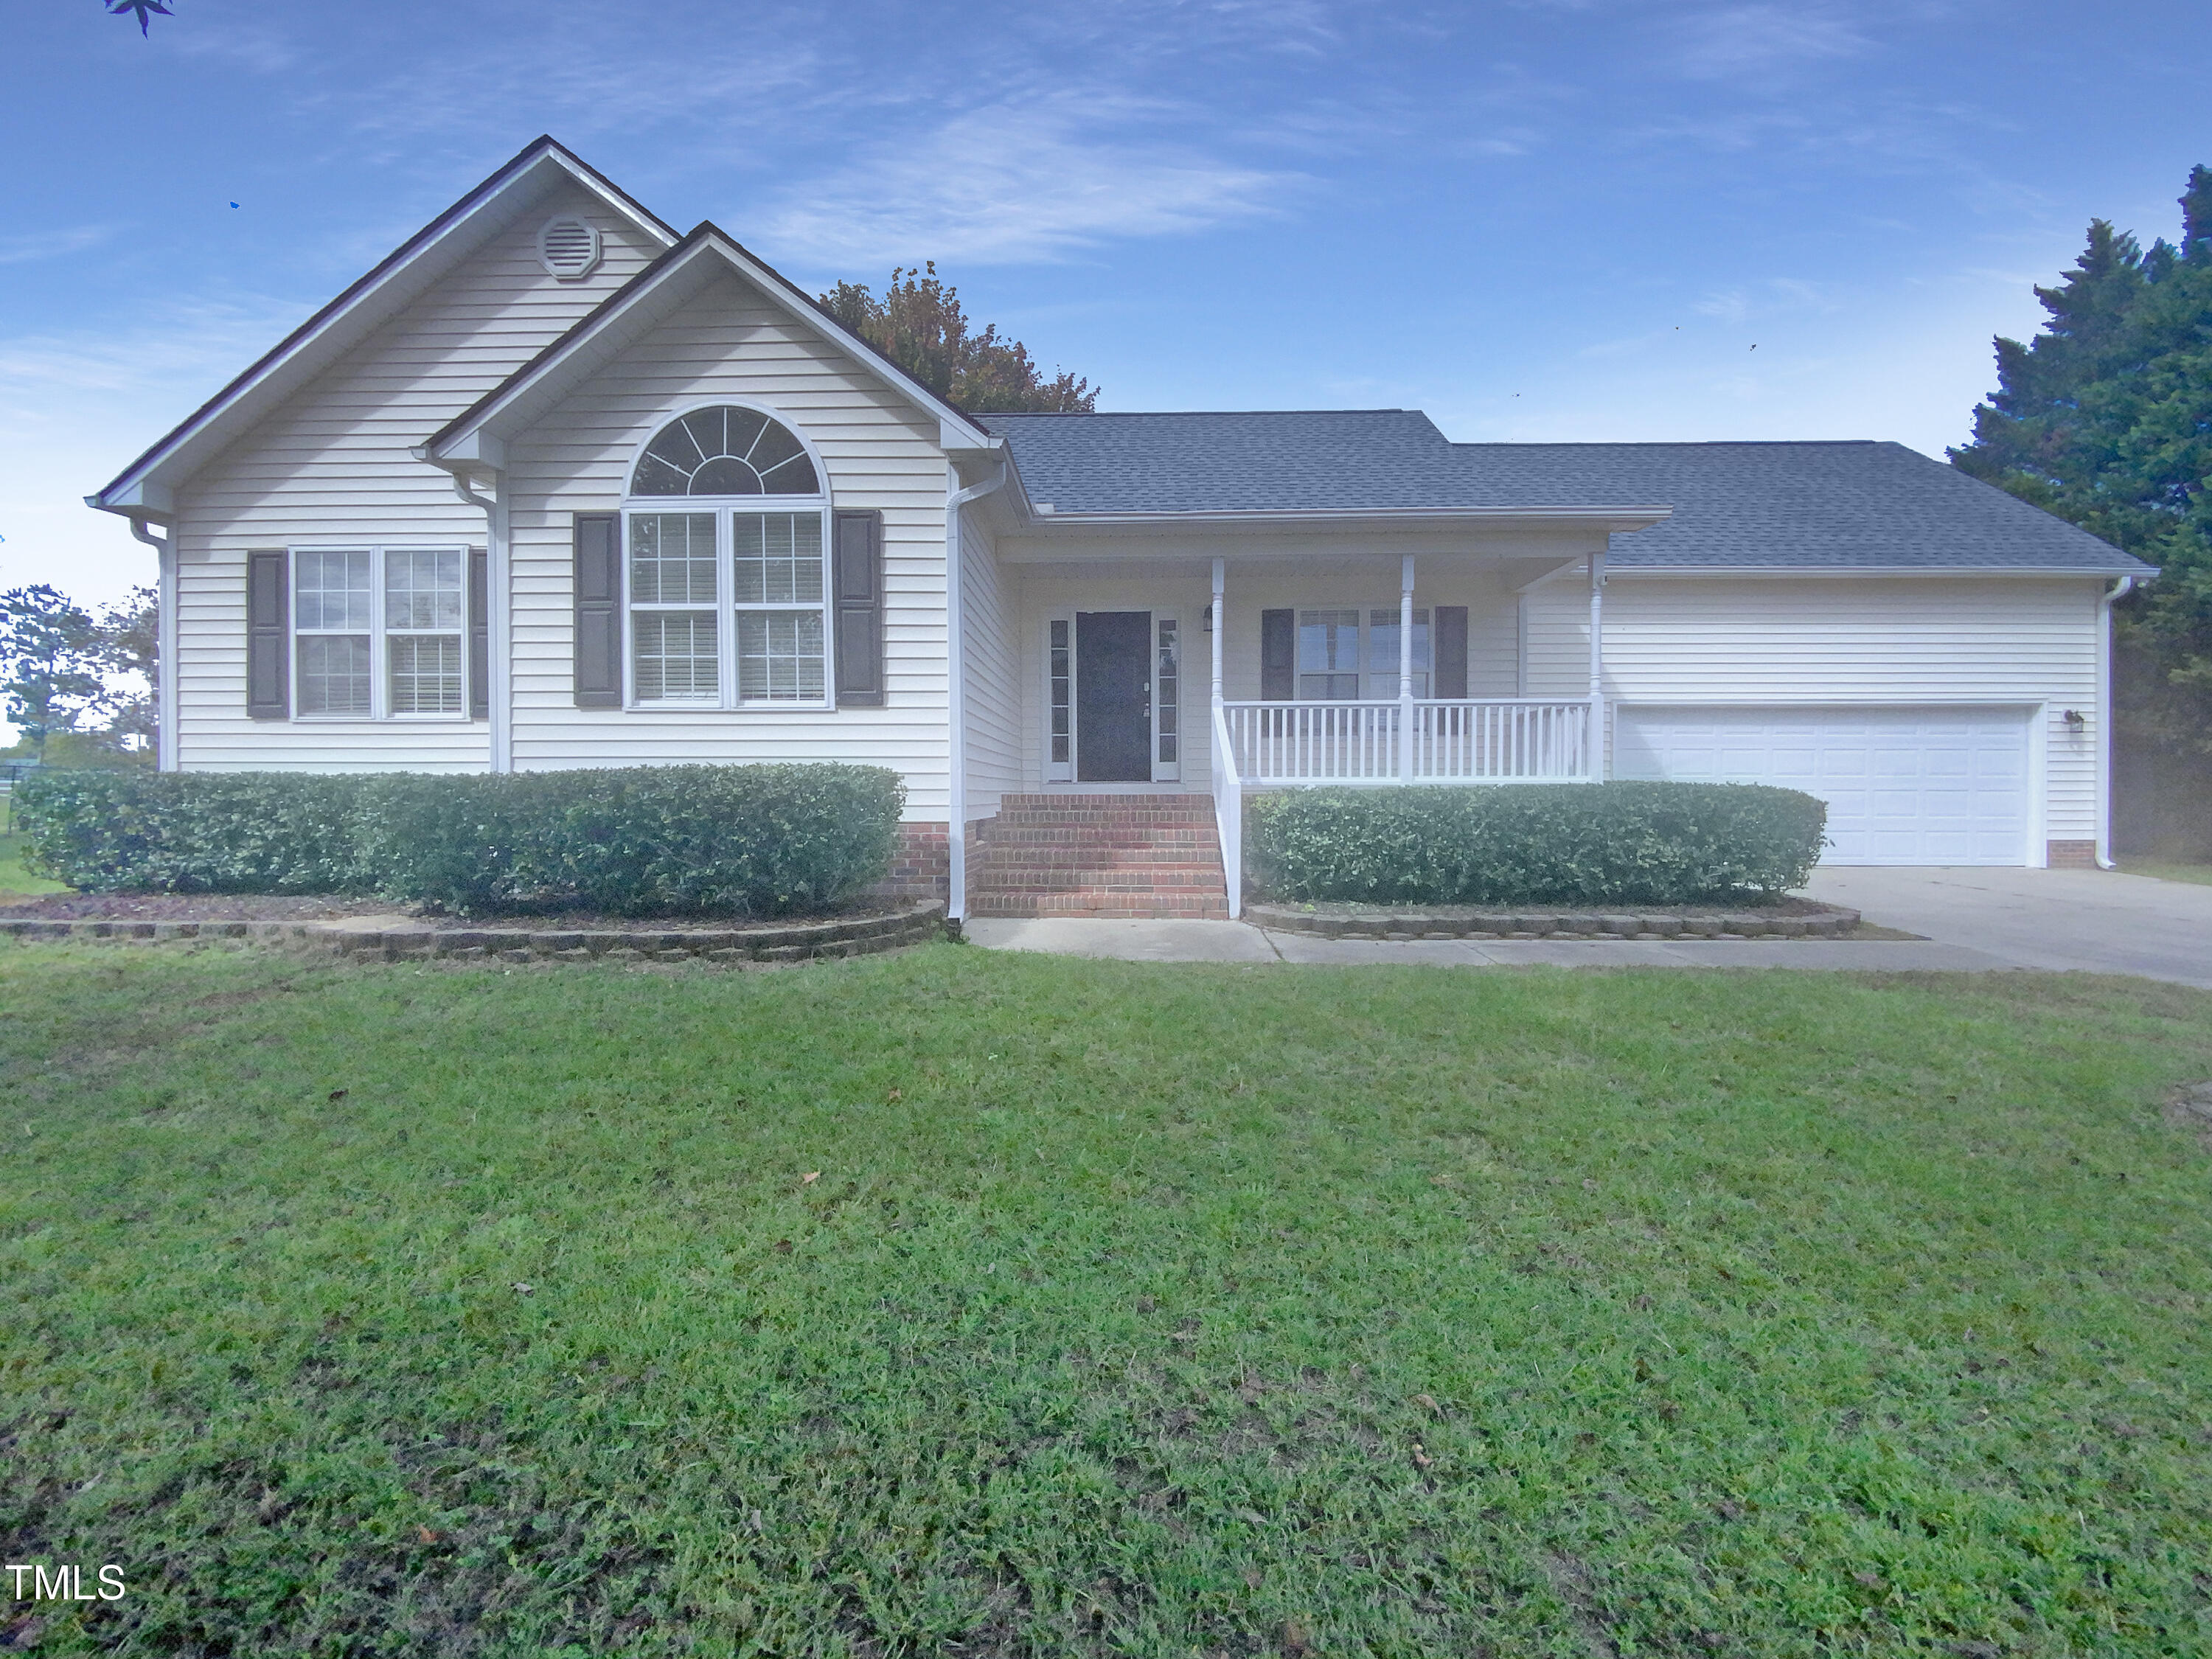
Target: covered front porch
(1300, 666)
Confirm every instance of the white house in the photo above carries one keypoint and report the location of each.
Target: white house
(553, 486)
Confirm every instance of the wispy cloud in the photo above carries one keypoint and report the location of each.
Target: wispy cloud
(51, 244)
(1019, 183)
(1774, 297)
(1748, 42)
(253, 47)
(584, 72)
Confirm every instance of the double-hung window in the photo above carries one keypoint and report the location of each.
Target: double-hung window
(380, 632)
(727, 608)
(1351, 652)
(727, 602)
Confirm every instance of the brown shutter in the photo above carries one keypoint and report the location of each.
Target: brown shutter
(479, 634)
(1448, 650)
(1279, 655)
(860, 610)
(268, 636)
(598, 611)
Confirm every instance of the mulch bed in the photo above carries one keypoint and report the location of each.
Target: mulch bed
(197, 907)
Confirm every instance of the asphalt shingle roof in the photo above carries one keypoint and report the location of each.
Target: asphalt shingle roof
(1814, 506)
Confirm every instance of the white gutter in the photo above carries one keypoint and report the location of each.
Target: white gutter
(956, 690)
(2120, 590)
(498, 699)
(165, 642)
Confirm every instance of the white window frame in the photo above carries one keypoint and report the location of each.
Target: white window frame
(725, 608)
(1059, 771)
(1424, 615)
(380, 637)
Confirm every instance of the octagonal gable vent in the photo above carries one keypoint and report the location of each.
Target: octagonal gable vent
(569, 248)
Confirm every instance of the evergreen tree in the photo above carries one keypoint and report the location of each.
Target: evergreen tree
(50, 660)
(2106, 419)
(919, 324)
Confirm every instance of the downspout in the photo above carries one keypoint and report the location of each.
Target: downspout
(1596, 759)
(499, 710)
(956, 697)
(2120, 591)
(165, 641)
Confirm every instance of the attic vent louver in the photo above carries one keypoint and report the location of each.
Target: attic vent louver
(569, 248)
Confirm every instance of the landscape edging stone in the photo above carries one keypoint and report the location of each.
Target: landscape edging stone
(1392, 922)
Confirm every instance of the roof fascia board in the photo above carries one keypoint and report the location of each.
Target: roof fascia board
(800, 306)
(1616, 567)
(622, 317)
(956, 432)
(361, 296)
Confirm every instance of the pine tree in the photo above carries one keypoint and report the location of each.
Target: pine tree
(2106, 419)
(920, 325)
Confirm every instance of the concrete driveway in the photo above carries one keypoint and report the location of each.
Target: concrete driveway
(2100, 921)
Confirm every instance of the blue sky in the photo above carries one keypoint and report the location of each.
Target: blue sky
(1556, 219)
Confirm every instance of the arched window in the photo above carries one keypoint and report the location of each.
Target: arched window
(726, 451)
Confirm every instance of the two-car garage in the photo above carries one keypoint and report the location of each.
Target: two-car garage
(1930, 784)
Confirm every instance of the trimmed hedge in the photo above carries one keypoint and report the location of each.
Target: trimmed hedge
(638, 840)
(1607, 843)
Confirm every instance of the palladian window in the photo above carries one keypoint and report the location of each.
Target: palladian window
(726, 451)
(727, 602)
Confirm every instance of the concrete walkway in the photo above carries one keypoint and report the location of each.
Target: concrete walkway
(1972, 921)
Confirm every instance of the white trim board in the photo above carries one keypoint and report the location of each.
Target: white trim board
(147, 486)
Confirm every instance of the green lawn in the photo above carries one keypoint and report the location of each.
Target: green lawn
(14, 878)
(1136, 1309)
(2168, 869)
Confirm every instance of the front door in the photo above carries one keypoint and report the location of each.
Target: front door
(1113, 696)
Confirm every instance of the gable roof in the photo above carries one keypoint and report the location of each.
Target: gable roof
(477, 432)
(399, 277)
(1857, 505)
(1842, 505)
(1289, 461)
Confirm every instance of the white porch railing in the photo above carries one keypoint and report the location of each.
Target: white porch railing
(1229, 811)
(1501, 740)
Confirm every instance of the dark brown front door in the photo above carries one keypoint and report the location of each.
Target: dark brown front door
(1113, 696)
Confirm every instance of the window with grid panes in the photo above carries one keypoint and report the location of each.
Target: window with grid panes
(380, 632)
(1350, 654)
(727, 603)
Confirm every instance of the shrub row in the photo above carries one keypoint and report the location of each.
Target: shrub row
(640, 840)
(1621, 843)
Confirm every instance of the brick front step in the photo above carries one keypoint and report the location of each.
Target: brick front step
(1098, 856)
(1103, 906)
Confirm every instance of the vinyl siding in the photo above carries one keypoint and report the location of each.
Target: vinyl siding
(2016, 641)
(727, 341)
(330, 467)
(993, 670)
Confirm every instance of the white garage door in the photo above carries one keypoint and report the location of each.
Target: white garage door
(1904, 786)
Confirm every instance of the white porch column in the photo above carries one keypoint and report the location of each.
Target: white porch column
(1597, 758)
(1405, 668)
(1220, 627)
